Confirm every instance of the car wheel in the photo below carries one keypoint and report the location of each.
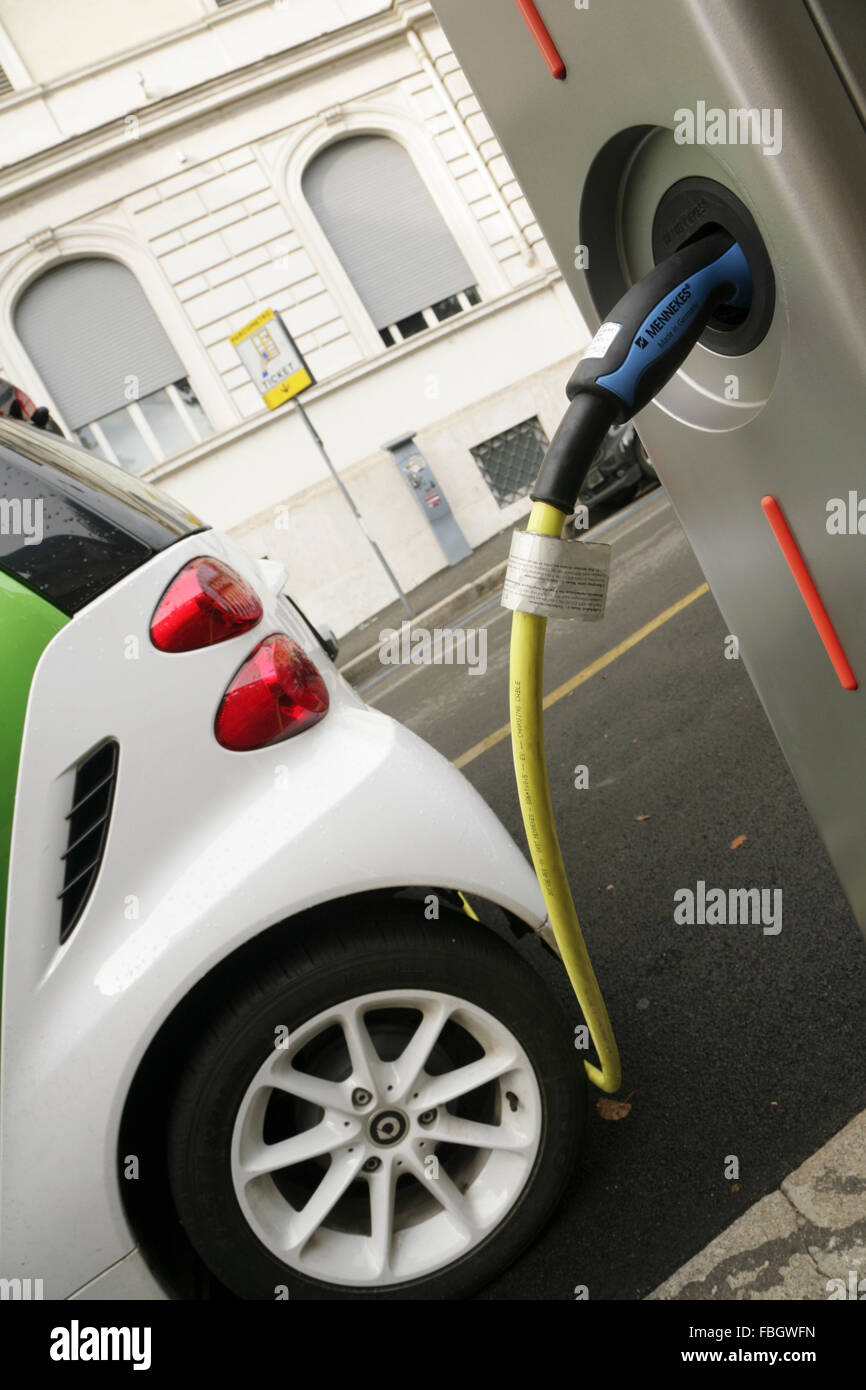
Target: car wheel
(388, 1110)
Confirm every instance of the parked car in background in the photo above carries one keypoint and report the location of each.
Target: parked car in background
(620, 466)
(15, 404)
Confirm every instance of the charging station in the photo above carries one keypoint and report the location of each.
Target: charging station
(636, 128)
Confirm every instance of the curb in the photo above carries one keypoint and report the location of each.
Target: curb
(444, 612)
(806, 1241)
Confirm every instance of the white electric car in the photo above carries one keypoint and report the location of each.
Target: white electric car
(252, 1043)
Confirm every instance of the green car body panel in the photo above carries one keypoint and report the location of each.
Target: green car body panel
(27, 625)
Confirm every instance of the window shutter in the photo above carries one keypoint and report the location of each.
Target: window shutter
(385, 227)
(87, 328)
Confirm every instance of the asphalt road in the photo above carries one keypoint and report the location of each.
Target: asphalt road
(734, 1042)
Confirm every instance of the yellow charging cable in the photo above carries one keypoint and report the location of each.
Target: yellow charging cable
(527, 742)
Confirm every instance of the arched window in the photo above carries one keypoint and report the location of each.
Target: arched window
(106, 360)
(386, 230)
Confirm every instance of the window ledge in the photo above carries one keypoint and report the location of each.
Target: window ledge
(348, 375)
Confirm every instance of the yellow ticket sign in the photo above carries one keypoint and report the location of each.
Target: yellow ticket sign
(268, 351)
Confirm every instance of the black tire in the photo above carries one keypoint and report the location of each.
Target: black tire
(399, 950)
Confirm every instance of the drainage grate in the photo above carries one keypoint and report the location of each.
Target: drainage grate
(510, 461)
(92, 799)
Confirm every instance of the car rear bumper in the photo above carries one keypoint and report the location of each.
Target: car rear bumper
(206, 849)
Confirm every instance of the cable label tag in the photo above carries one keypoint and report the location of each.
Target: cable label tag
(556, 579)
(602, 340)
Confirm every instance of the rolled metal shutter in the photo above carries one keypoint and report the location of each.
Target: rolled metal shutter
(88, 329)
(385, 227)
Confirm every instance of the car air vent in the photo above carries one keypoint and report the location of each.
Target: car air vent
(92, 798)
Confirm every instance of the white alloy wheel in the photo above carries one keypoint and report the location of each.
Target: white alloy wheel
(386, 1137)
(387, 1107)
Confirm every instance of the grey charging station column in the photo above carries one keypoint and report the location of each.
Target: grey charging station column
(628, 125)
(430, 497)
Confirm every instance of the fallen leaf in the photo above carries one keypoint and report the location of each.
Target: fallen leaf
(740, 840)
(643, 817)
(612, 1109)
(735, 1187)
(774, 1102)
(610, 888)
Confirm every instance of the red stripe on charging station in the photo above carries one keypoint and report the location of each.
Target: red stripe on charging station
(538, 29)
(812, 599)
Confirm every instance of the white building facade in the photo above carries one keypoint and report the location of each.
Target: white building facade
(172, 169)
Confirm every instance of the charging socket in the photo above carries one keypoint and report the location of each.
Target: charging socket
(695, 207)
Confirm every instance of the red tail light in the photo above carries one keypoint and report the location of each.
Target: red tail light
(206, 602)
(276, 694)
